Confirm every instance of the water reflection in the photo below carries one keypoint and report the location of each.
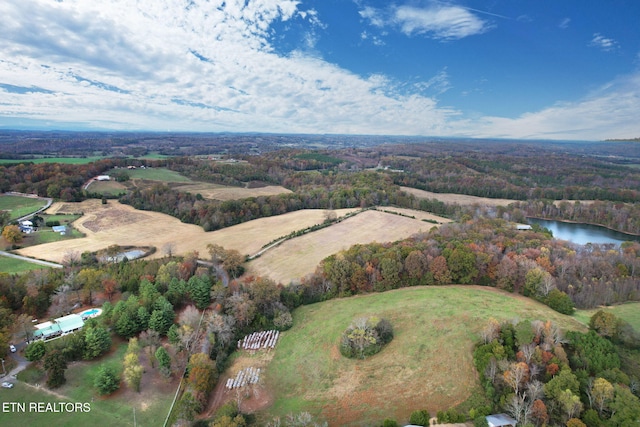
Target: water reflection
(583, 233)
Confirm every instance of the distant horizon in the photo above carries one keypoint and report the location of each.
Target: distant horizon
(454, 68)
(288, 134)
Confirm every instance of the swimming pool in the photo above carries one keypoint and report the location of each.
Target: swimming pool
(91, 313)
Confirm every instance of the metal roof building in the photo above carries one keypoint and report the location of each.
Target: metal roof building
(500, 420)
(58, 327)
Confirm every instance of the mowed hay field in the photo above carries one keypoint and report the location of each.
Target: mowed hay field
(221, 192)
(300, 256)
(428, 365)
(118, 224)
(460, 199)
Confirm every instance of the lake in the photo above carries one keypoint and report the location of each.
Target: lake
(583, 233)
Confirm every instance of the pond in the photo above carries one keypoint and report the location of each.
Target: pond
(583, 233)
(130, 255)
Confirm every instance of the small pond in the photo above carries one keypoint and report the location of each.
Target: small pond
(583, 233)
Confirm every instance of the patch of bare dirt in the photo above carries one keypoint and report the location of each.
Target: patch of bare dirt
(250, 398)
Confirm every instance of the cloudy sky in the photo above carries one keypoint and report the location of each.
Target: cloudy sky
(546, 69)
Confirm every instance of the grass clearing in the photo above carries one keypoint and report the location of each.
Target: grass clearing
(629, 311)
(19, 206)
(65, 160)
(107, 187)
(154, 174)
(14, 266)
(222, 192)
(300, 256)
(427, 365)
(460, 199)
(33, 416)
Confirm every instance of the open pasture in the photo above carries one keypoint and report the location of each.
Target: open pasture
(19, 206)
(118, 224)
(428, 364)
(107, 187)
(629, 312)
(223, 192)
(300, 256)
(150, 405)
(13, 266)
(156, 174)
(460, 199)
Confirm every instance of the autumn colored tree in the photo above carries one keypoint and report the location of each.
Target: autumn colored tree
(604, 323)
(202, 375)
(575, 422)
(601, 393)
(416, 264)
(440, 271)
(539, 412)
(110, 286)
(516, 376)
(132, 368)
(12, 234)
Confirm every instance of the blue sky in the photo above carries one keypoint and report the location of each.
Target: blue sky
(539, 69)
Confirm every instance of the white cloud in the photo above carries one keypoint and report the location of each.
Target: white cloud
(374, 16)
(211, 66)
(564, 24)
(439, 21)
(603, 42)
(206, 67)
(609, 112)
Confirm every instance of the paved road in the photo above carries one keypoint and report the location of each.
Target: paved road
(35, 261)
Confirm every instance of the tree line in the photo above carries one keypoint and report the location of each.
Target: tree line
(488, 252)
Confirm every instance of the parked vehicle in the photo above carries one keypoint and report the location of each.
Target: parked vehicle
(12, 348)
(7, 385)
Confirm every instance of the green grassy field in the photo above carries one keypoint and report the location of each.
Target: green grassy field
(151, 406)
(157, 174)
(45, 235)
(63, 219)
(107, 187)
(629, 312)
(19, 206)
(427, 365)
(66, 160)
(13, 266)
(77, 160)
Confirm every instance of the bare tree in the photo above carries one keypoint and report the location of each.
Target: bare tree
(190, 316)
(528, 350)
(535, 389)
(516, 376)
(169, 249)
(519, 407)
